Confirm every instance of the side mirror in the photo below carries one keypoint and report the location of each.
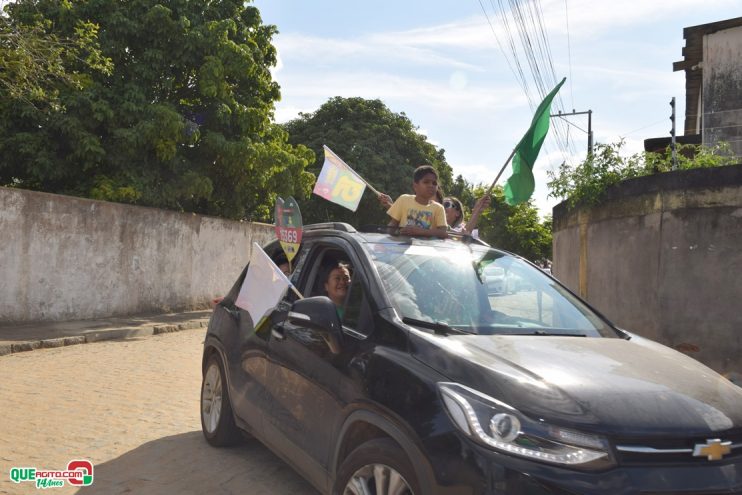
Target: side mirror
(318, 313)
(280, 314)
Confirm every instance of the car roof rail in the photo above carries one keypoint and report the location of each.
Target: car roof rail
(467, 238)
(386, 229)
(339, 226)
(379, 229)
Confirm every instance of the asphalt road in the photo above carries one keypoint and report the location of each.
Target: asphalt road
(132, 408)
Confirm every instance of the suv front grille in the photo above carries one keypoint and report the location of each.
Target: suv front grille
(692, 493)
(634, 451)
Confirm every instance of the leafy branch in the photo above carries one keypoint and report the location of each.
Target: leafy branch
(34, 63)
(587, 182)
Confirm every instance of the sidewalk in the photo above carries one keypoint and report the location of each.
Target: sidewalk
(30, 336)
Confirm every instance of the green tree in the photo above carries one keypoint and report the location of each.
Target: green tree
(182, 120)
(34, 62)
(382, 146)
(464, 190)
(515, 228)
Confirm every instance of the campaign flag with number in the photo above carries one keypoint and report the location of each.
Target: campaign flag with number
(288, 226)
(339, 183)
(264, 286)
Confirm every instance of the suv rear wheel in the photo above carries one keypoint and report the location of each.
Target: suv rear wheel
(217, 421)
(377, 467)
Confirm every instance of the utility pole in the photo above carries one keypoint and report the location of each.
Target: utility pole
(589, 125)
(589, 131)
(672, 136)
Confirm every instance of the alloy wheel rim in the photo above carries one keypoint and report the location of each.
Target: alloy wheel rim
(211, 398)
(377, 479)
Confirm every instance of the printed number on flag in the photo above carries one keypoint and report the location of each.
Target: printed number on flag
(347, 189)
(287, 235)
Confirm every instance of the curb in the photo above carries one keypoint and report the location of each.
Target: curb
(101, 335)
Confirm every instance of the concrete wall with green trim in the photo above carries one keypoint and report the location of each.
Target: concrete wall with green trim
(662, 257)
(66, 258)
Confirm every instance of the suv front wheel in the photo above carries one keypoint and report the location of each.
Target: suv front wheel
(377, 467)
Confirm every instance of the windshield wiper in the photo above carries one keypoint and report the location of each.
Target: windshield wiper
(438, 327)
(554, 334)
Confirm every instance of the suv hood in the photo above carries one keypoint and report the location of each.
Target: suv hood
(601, 384)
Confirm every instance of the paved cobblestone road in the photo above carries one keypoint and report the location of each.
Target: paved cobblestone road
(130, 407)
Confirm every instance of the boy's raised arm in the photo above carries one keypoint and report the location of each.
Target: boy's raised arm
(385, 200)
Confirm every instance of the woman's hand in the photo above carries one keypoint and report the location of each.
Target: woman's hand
(482, 204)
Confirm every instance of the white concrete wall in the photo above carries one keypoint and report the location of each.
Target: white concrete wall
(65, 258)
(662, 256)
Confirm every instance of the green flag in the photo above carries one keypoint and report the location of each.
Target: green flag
(519, 186)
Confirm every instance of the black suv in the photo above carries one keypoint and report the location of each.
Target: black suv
(433, 382)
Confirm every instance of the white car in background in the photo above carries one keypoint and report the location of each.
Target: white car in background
(501, 282)
(494, 279)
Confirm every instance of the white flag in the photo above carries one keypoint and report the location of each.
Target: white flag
(264, 286)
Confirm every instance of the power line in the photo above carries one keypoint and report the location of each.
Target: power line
(526, 18)
(494, 33)
(569, 54)
(641, 128)
(537, 51)
(589, 130)
(511, 43)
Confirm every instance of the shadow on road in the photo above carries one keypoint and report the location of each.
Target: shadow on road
(186, 464)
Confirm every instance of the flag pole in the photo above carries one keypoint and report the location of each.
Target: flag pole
(512, 153)
(296, 291)
(369, 185)
(364, 181)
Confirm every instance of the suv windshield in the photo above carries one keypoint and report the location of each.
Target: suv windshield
(479, 290)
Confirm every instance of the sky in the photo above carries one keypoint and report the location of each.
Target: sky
(442, 64)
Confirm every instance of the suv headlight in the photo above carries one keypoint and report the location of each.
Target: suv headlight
(499, 426)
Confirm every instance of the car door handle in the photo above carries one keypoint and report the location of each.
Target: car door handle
(232, 312)
(277, 332)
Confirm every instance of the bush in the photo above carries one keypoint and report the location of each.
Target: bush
(587, 182)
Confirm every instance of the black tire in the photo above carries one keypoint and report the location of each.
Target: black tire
(217, 419)
(383, 453)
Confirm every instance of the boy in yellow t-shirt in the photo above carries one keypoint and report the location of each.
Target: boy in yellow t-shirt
(419, 215)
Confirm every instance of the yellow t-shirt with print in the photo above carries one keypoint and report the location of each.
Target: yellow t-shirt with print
(407, 211)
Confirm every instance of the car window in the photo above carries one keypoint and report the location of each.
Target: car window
(322, 258)
(297, 269)
(476, 289)
(357, 315)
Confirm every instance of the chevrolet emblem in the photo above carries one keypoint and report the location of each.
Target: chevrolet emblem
(713, 449)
